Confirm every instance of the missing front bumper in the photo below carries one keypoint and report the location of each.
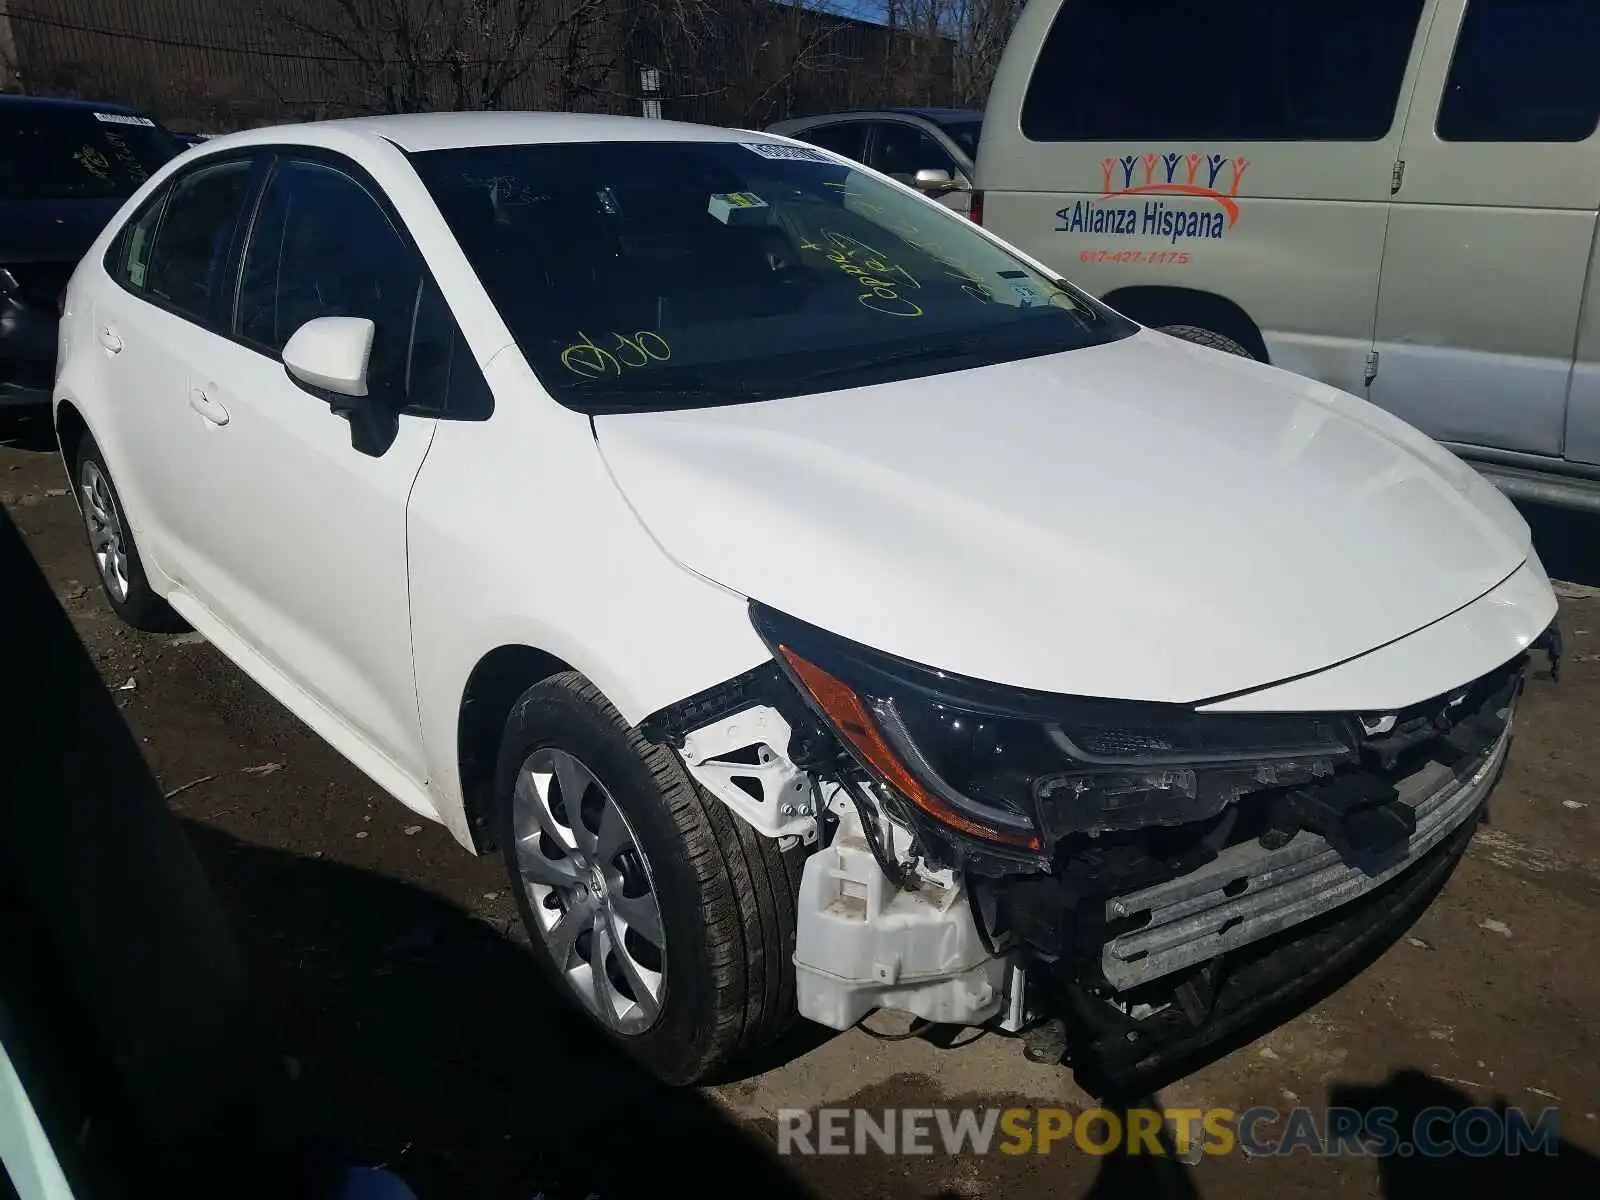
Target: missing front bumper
(1248, 893)
(1258, 986)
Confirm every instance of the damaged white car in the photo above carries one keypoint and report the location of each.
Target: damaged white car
(820, 605)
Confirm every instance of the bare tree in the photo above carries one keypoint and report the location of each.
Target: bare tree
(981, 29)
(420, 55)
(10, 65)
(954, 44)
(773, 59)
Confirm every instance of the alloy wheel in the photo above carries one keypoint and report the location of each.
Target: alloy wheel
(590, 889)
(105, 530)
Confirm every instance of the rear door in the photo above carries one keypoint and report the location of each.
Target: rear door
(1243, 150)
(1490, 234)
(168, 269)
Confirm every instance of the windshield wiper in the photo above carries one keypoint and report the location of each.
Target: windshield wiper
(921, 355)
(635, 399)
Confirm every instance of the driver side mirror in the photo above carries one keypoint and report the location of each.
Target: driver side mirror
(329, 357)
(330, 354)
(936, 179)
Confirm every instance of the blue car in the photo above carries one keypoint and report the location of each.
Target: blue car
(65, 167)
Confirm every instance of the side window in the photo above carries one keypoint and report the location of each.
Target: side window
(442, 378)
(183, 267)
(1272, 70)
(844, 138)
(321, 246)
(131, 262)
(900, 151)
(1524, 71)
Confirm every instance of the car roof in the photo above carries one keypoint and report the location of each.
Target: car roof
(419, 132)
(936, 115)
(23, 100)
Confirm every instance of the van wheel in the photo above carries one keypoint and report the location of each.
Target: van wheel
(1207, 337)
(116, 558)
(665, 919)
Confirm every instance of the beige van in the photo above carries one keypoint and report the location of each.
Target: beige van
(1398, 197)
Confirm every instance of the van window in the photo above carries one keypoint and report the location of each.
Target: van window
(1524, 71)
(1249, 70)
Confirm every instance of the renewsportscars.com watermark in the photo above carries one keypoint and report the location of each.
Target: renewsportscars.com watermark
(1327, 1132)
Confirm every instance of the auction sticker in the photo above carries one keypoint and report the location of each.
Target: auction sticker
(791, 153)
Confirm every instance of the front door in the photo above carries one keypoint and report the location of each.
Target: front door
(900, 149)
(1490, 233)
(306, 534)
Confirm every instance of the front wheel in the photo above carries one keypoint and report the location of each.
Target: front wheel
(666, 920)
(1207, 337)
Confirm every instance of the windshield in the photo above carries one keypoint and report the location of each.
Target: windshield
(965, 133)
(640, 275)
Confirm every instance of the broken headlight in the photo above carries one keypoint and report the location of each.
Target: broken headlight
(1026, 768)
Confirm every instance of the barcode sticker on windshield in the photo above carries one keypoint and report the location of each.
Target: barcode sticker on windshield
(791, 153)
(124, 119)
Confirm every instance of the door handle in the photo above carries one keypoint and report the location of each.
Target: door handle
(106, 335)
(207, 407)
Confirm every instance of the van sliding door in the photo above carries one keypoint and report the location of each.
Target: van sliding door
(1492, 230)
(1237, 154)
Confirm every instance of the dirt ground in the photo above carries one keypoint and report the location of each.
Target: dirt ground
(399, 976)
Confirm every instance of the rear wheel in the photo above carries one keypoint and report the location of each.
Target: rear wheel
(1207, 337)
(116, 557)
(666, 920)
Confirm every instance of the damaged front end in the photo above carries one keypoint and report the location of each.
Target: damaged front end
(1155, 873)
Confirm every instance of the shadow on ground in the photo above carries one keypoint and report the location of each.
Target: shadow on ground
(28, 429)
(1568, 542)
(425, 1036)
(1560, 1170)
(152, 1031)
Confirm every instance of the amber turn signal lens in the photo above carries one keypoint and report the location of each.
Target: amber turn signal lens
(850, 717)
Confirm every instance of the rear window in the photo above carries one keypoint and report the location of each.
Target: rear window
(1268, 70)
(59, 153)
(639, 275)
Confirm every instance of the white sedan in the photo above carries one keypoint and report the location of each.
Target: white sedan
(819, 604)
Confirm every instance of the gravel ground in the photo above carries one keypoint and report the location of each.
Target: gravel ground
(402, 987)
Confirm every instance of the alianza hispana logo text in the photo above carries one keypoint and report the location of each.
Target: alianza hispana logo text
(1200, 176)
(1331, 1132)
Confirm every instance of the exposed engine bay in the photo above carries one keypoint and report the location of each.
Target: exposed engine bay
(1145, 873)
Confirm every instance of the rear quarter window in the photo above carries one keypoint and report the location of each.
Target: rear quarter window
(1247, 70)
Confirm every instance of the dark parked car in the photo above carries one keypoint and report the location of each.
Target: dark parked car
(933, 149)
(65, 167)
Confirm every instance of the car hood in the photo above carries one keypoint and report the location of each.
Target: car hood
(1145, 519)
(52, 230)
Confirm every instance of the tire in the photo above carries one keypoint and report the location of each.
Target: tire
(725, 896)
(1207, 337)
(117, 563)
